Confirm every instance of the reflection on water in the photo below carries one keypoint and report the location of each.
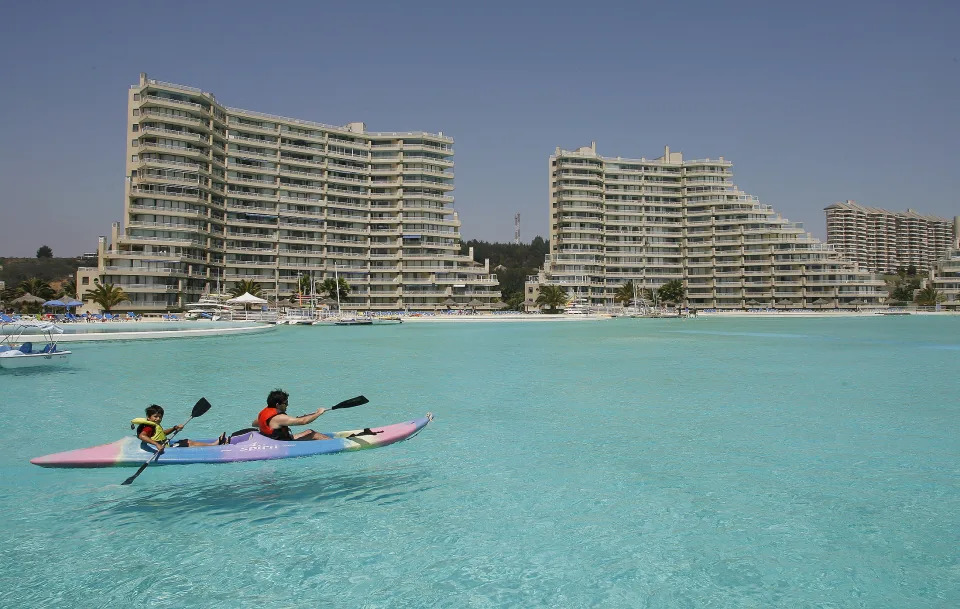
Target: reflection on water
(275, 494)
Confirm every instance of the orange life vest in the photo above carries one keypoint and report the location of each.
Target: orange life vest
(263, 422)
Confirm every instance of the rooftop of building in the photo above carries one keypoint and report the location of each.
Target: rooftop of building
(850, 205)
(357, 128)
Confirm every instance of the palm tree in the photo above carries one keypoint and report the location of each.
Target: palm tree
(37, 287)
(929, 296)
(303, 285)
(552, 297)
(625, 293)
(329, 286)
(106, 295)
(245, 286)
(8, 294)
(68, 289)
(672, 291)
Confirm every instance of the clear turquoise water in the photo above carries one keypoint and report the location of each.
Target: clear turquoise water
(624, 463)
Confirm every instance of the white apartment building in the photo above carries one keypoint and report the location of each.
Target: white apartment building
(882, 241)
(614, 220)
(945, 275)
(215, 195)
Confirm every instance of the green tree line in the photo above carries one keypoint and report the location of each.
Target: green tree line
(511, 263)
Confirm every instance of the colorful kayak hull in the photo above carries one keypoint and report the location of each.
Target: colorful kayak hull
(131, 452)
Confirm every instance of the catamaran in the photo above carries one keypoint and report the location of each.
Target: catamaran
(17, 351)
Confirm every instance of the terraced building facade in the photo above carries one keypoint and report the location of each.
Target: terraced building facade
(215, 195)
(614, 220)
(883, 241)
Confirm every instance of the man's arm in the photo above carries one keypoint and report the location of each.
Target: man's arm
(282, 420)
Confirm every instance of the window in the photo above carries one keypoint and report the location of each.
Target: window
(84, 281)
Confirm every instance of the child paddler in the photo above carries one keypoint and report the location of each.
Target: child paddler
(152, 432)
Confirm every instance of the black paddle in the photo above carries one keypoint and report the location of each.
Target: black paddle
(347, 403)
(201, 407)
(356, 401)
(350, 403)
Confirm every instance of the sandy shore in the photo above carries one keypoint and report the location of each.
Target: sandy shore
(821, 314)
(509, 317)
(474, 317)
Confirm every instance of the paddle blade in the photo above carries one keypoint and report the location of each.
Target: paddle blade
(201, 407)
(140, 469)
(351, 402)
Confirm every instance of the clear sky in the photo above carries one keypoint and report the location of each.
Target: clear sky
(814, 102)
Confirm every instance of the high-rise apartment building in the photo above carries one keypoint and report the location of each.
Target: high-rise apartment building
(882, 241)
(215, 195)
(614, 220)
(945, 276)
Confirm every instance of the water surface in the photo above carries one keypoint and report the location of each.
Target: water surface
(623, 463)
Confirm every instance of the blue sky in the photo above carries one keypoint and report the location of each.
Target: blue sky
(814, 102)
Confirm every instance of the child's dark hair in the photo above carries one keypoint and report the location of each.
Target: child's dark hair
(153, 409)
(277, 397)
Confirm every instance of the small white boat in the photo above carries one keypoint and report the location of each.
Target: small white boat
(212, 306)
(16, 352)
(382, 321)
(353, 321)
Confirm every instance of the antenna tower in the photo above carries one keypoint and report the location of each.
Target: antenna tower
(516, 229)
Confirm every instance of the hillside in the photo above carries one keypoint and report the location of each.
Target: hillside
(15, 270)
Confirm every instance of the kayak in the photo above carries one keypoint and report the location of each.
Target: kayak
(250, 446)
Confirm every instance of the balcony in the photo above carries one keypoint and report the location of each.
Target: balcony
(173, 149)
(233, 137)
(149, 130)
(166, 101)
(173, 211)
(263, 264)
(147, 287)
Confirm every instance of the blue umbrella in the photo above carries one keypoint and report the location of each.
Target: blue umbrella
(54, 303)
(74, 303)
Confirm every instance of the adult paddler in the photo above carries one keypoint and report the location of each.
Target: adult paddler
(274, 422)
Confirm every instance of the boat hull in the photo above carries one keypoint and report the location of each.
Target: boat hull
(35, 360)
(252, 446)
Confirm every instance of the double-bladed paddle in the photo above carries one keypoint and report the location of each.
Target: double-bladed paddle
(348, 403)
(201, 407)
(354, 401)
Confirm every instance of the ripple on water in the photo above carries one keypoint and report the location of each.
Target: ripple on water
(790, 463)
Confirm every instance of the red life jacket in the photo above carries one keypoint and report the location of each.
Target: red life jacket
(263, 421)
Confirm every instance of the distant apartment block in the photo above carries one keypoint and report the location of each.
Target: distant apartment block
(614, 220)
(945, 276)
(215, 195)
(882, 241)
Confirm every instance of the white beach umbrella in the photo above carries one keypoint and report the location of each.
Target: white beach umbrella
(247, 298)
